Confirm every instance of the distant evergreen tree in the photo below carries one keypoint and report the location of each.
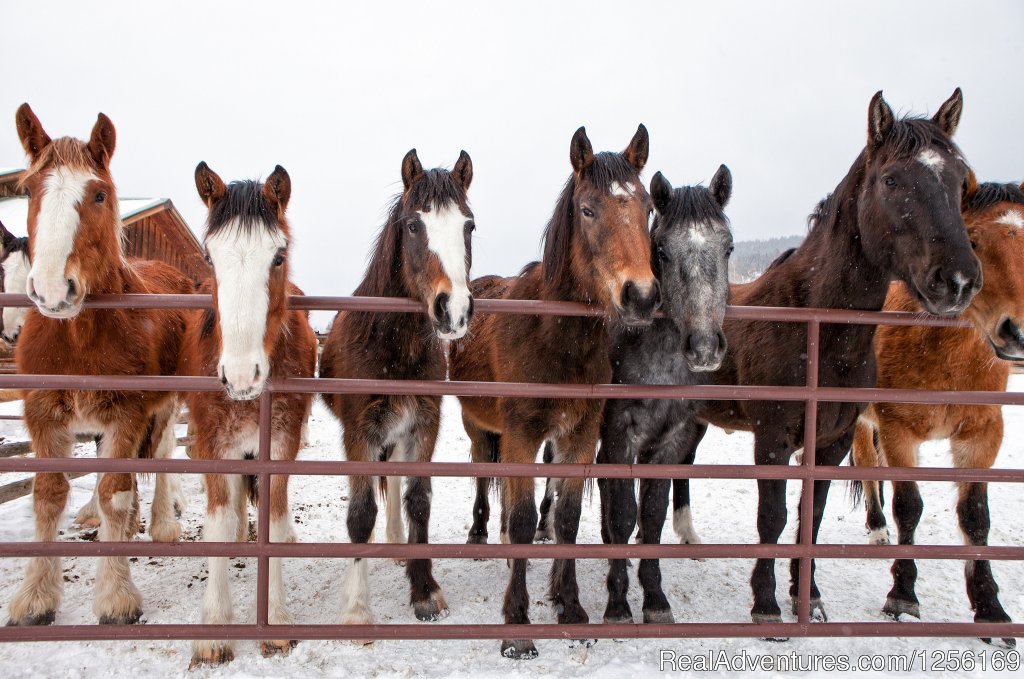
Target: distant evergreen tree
(752, 257)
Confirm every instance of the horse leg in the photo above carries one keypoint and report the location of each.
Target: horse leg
(682, 518)
(544, 532)
(425, 594)
(832, 455)
(899, 449)
(362, 515)
(117, 600)
(653, 509)
(483, 448)
(770, 448)
(976, 447)
(618, 510)
(168, 498)
(865, 454)
(282, 529)
(89, 515)
(38, 598)
(519, 521)
(576, 448)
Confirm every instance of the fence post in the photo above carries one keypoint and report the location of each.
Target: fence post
(263, 513)
(806, 537)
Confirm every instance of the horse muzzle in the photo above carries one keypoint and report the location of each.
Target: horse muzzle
(704, 351)
(451, 314)
(636, 305)
(948, 293)
(60, 301)
(243, 380)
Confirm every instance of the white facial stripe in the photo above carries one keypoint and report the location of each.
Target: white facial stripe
(16, 268)
(446, 238)
(1012, 218)
(622, 190)
(56, 226)
(931, 159)
(242, 259)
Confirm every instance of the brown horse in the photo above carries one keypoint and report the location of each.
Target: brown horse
(958, 359)
(75, 248)
(596, 251)
(250, 335)
(896, 215)
(423, 251)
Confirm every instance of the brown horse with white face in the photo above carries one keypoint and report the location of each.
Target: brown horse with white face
(955, 359)
(423, 251)
(596, 251)
(75, 249)
(248, 336)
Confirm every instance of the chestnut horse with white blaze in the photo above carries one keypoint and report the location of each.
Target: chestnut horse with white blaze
(596, 251)
(248, 336)
(424, 252)
(954, 359)
(75, 247)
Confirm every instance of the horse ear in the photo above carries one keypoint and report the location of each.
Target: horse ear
(721, 185)
(581, 153)
(278, 188)
(880, 120)
(6, 236)
(948, 115)
(209, 184)
(30, 131)
(970, 188)
(639, 148)
(411, 169)
(463, 170)
(102, 140)
(661, 191)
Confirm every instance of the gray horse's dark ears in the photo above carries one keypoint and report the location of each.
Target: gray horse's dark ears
(661, 191)
(721, 186)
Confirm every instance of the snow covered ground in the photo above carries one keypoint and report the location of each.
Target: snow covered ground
(713, 590)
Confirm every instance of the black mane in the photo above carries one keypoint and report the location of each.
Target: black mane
(244, 204)
(435, 189)
(693, 204)
(16, 245)
(992, 193)
(607, 167)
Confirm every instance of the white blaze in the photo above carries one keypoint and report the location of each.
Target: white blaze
(16, 268)
(242, 259)
(931, 159)
(446, 238)
(56, 226)
(622, 190)
(1010, 218)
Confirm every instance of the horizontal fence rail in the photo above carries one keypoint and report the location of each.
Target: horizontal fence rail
(811, 393)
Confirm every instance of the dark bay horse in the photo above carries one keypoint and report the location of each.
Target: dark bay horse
(596, 251)
(250, 334)
(691, 243)
(14, 267)
(74, 231)
(423, 251)
(896, 215)
(959, 359)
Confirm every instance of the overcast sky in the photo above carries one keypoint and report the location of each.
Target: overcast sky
(338, 94)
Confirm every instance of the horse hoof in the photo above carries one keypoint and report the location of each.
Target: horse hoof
(897, 608)
(211, 653)
(165, 531)
(518, 649)
(572, 615)
(769, 619)
(477, 539)
(879, 536)
(581, 643)
(129, 618)
(399, 562)
(433, 609)
(545, 535)
(44, 618)
(87, 523)
(662, 617)
(625, 619)
(1006, 643)
(817, 613)
(269, 649)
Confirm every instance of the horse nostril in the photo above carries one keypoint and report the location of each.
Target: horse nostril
(441, 309)
(223, 376)
(72, 288)
(256, 374)
(723, 343)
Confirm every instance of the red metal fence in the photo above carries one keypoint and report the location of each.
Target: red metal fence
(264, 467)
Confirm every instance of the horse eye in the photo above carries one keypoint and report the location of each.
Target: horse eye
(729, 251)
(974, 245)
(587, 212)
(889, 181)
(206, 256)
(100, 197)
(471, 226)
(414, 227)
(279, 260)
